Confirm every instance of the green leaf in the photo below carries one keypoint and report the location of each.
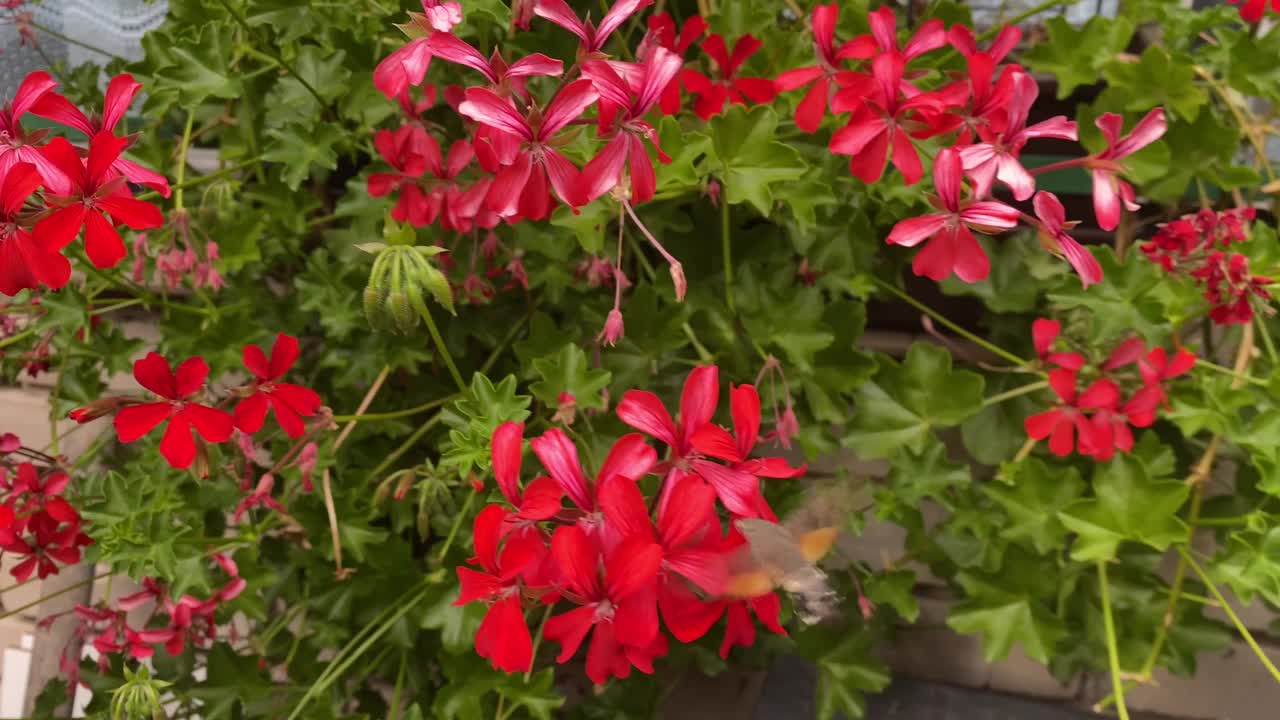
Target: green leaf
(1158, 79)
(569, 372)
(473, 419)
(684, 149)
(290, 100)
(1002, 618)
(748, 159)
(538, 696)
(916, 476)
(200, 66)
(1077, 55)
(298, 149)
(1122, 303)
(1033, 504)
(905, 402)
(457, 625)
(846, 672)
(1251, 565)
(895, 588)
(1129, 505)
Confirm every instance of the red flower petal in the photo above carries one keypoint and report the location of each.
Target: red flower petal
(624, 508)
(560, 457)
(504, 454)
(101, 241)
(631, 566)
(643, 411)
(134, 421)
(576, 556)
(504, 638)
(251, 412)
(178, 446)
(569, 629)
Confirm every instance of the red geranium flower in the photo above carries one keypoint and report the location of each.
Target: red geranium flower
(178, 446)
(813, 107)
(997, 156)
(620, 607)
(1043, 333)
(119, 96)
(503, 78)
(662, 33)
(735, 449)
(290, 402)
(623, 106)
(16, 144)
(503, 636)
(97, 192)
(630, 457)
(50, 541)
(727, 87)
(521, 187)
(1063, 423)
(883, 39)
(1251, 11)
(952, 247)
(1054, 225)
(1109, 191)
(593, 38)
(404, 149)
(738, 489)
(880, 120)
(25, 262)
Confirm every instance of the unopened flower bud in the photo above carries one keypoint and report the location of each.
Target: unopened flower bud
(401, 310)
(98, 408)
(405, 485)
(567, 407)
(8, 443)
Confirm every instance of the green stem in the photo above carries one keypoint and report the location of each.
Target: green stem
(892, 289)
(274, 56)
(1235, 619)
(50, 596)
(457, 523)
(404, 446)
(201, 180)
(726, 246)
(1267, 342)
(70, 40)
(439, 341)
(1113, 656)
(397, 414)
(1201, 362)
(395, 697)
(12, 339)
(704, 355)
(116, 306)
(1016, 392)
(347, 656)
(181, 172)
(537, 640)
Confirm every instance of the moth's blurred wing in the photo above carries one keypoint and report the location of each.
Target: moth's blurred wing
(773, 546)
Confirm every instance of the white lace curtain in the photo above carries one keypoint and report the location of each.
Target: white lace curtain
(113, 26)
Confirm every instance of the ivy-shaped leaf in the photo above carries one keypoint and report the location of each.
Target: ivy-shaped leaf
(200, 66)
(900, 407)
(895, 588)
(1158, 79)
(298, 149)
(1129, 505)
(1003, 618)
(473, 419)
(1076, 55)
(1038, 494)
(747, 158)
(569, 372)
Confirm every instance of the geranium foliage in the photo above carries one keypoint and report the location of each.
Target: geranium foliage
(494, 319)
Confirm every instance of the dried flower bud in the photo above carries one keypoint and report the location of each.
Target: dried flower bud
(98, 408)
(613, 328)
(567, 406)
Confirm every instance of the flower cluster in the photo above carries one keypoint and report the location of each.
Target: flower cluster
(1196, 246)
(37, 524)
(51, 190)
(511, 165)
(984, 110)
(1123, 391)
(191, 423)
(617, 559)
(172, 624)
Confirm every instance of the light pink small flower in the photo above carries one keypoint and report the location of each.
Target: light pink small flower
(613, 328)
